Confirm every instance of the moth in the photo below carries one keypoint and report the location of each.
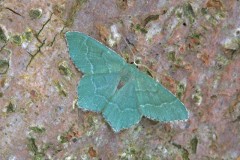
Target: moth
(118, 90)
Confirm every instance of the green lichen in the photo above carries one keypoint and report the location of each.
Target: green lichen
(63, 138)
(195, 38)
(35, 13)
(126, 56)
(171, 56)
(68, 135)
(37, 129)
(31, 144)
(222, 60)
(177, 62)
(10, 108)
(195, 35)
(204, 11)
(1, 94)
(178, 13)
(73, 12)
(28, 35)
(4, 66)
(3, 37)
(60, 88)
(181, 87)
(17, 39)
(194, 143)
(217, 17)
(138, 60)
(185, 153)
(213, 19)
(138, 27)
(64, 69)
(188, 12)
(232, 43)
(150, 18)
(37, 154)
(197, 96)
(133, 152)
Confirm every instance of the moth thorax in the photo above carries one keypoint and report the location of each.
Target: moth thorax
(126, 76)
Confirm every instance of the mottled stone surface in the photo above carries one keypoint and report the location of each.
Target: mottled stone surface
(192, 47)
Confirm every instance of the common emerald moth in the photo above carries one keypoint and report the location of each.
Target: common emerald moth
(118, 90)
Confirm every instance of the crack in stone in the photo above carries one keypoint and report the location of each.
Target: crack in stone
(34, 55)
(44, 25)
(13, 11)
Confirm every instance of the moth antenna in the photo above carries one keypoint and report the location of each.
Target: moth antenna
(153, 73)
(129, 47)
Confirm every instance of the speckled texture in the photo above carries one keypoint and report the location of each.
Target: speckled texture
(192, 47)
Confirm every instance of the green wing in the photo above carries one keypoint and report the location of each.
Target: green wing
(122, 110)
(156, 102)
(120, 91)
(95, 90)
(91, 56)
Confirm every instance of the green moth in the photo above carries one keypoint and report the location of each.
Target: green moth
(118, 90)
